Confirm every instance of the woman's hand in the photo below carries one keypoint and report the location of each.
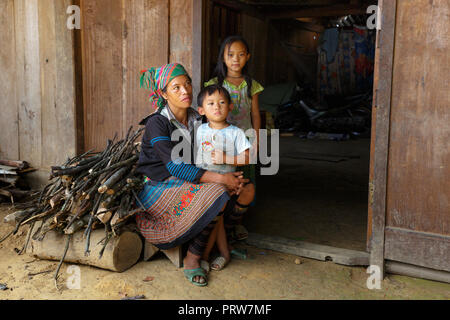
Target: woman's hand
(234, 181)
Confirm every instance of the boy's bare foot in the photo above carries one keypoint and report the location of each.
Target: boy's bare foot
(220, 262)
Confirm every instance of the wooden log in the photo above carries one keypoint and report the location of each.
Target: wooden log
(17, 164)
(120, 254)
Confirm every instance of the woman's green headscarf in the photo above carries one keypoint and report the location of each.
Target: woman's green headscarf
(156, 79)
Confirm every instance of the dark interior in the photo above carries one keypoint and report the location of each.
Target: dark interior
(315, 60)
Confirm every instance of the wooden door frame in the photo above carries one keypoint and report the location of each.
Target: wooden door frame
(380, 129)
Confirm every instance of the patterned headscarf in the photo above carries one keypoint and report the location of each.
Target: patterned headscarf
(156, 79)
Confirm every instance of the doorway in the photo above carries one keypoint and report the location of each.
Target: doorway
(320, 193)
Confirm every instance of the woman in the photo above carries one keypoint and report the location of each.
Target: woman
(182, 201)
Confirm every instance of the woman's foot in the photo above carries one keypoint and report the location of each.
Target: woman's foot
(192, 262)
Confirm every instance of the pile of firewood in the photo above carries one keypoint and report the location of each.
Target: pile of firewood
(92, 190)
(13, 186)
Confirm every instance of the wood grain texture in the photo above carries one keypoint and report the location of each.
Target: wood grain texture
(384, 63)
(102, 28)
(418, 191)
(418, 248)
(376, 80)
(57, 83)
(181, 33)
(9, 137)
(146, 45)
(120, 254)
(28, 80)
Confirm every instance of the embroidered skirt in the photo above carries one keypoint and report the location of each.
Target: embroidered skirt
(177, 210)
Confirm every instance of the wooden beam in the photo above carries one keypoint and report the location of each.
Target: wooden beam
(382, 97)
(309, 250)
(241, 7)
(328, 11)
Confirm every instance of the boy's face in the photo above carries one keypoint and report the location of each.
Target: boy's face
(215, 107)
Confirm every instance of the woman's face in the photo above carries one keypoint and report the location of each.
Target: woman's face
(179, 92)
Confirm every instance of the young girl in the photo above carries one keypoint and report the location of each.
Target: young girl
(231, 73)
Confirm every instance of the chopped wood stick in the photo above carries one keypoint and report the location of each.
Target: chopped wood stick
(69, 237)
(40, 272)
(138, 200)
(109, 235)
(124, 163)
(39, 216)
(84, 206)
(27, 241)
(71, 171)
(15, 217)
(113, 179)
(47, 226)
(119, 222)
(56, 199)
(77, 225)
(104, 216)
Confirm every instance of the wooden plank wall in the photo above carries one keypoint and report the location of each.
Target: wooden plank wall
(120, 39)
(9, 121)
(37, 78)
(419, 149)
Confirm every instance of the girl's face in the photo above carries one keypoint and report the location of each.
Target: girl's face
(236, 56)
(179, 92)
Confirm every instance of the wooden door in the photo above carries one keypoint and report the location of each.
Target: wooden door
(121, 38)
(411, 174)
(221, 22)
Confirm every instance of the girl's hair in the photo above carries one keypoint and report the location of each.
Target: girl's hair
(221, 69)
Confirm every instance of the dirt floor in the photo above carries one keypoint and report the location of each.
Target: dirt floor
(319, 195)
(266, 275)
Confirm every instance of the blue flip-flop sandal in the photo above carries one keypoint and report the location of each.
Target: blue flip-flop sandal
(190, 274)
(239, 253)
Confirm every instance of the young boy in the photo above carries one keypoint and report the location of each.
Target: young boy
(220, 148)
